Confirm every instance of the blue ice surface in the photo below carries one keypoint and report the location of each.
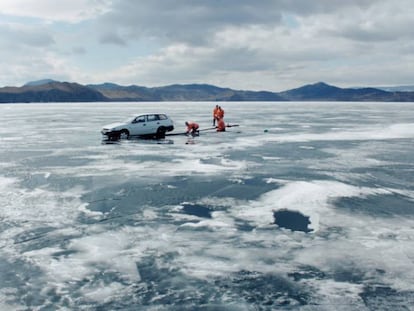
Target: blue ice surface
(222, 221)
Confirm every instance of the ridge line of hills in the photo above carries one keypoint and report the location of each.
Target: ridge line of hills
(55, 91)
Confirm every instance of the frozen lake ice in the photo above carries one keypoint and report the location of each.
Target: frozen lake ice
(189, 223)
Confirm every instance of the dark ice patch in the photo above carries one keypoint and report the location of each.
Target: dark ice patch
(292, 220)
(243, 189)
(382, 297)
(197, 210)
(26, 280)
(162, 285)
(307, 272)
(31, 235)
(349, 275)
(116, 199)
(385, 205)
(265, 291)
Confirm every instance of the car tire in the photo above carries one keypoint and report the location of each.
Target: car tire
(161, 132)
(124, 134)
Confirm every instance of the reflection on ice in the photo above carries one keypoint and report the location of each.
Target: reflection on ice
(136, 140)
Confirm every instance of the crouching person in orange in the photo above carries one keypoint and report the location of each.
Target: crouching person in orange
(192, 128)
(221, 126)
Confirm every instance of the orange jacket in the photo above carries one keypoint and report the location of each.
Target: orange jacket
(220, 113)
(221, 126)
(192, 126)
(215, 110)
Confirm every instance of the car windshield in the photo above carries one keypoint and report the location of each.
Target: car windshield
(139, 119)
(135, 119)
(128, 120)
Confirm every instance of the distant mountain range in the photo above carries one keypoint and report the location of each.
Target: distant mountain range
(403, 88)
(51, 91)
(54, 91)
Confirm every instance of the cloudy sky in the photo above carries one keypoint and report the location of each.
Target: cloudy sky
(243, 44)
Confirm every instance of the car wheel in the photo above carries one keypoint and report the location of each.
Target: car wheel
(124, 134)
(161, 132)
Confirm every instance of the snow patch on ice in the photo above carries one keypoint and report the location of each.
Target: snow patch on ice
(309, 198)
(102, 292)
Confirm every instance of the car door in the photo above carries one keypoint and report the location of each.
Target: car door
(139, 126)
(153, 123)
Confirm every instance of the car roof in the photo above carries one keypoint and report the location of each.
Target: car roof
(149, 113)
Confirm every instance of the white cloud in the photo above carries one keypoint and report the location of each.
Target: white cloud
(272, 45)
(51, 10)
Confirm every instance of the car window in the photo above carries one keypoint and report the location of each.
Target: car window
(139, 119)
(162, 117)
(152, 117)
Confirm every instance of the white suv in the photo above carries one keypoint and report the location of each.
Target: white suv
(145, 125)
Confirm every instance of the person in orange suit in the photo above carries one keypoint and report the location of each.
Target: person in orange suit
(192, 128)
(220, 113)
(221, 126)
(215, 110)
